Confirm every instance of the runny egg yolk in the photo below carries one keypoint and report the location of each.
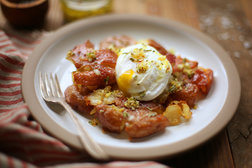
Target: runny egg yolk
(124, 81)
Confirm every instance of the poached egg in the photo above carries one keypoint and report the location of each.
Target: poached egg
(142, 72)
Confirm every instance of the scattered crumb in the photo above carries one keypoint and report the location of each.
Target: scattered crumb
(224, 36)
(226, 22)
(222, 24)
(236, 54)
(247, 44)
(208, 20)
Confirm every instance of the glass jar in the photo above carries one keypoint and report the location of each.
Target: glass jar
(76, 9)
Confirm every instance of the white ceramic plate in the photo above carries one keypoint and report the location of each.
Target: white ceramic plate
(212, 114)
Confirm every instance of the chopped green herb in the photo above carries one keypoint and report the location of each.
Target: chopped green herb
(135, 77)
(91, 56)
(132, 59)
(69, 54)
(175, 85)
(142, 94)
(189, 72)
(125, 114)
(149, 108)
(93, 122)
(172, 88)
(153, 114)
(106, 80)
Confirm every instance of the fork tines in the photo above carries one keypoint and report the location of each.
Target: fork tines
(49, 86)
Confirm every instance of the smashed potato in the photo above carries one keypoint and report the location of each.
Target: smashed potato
(176, 111)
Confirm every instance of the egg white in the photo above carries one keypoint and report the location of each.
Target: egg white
(142, 83)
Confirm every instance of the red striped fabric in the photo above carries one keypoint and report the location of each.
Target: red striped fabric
(23, 141)
(10, 93)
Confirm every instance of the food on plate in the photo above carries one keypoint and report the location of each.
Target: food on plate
(135, 86)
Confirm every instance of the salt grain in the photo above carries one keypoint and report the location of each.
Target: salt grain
(237, 54)
(247, 44)
(207, 20)
(226, 22)
(224, 36)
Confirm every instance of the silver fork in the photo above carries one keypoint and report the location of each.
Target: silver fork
(51, 92)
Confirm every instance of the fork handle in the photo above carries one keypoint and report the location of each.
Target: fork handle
(88, 143)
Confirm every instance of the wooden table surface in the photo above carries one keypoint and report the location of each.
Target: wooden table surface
(228, 22)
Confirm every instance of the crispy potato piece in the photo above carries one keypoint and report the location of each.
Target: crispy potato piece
(175, 110)
(173, 114)
(110, 117)
(188, 93)
(112, 112)
(79, 51)
(105, 96)
(143, 122)
(75, 97)
(154, 107)
(186, 112)
(204, 79)
(95, 68)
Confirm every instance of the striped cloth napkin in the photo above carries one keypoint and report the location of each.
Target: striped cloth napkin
(23, 142)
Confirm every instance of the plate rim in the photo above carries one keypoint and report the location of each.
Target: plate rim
(223, 117)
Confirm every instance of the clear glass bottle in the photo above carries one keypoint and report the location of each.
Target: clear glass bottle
(76, 9)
